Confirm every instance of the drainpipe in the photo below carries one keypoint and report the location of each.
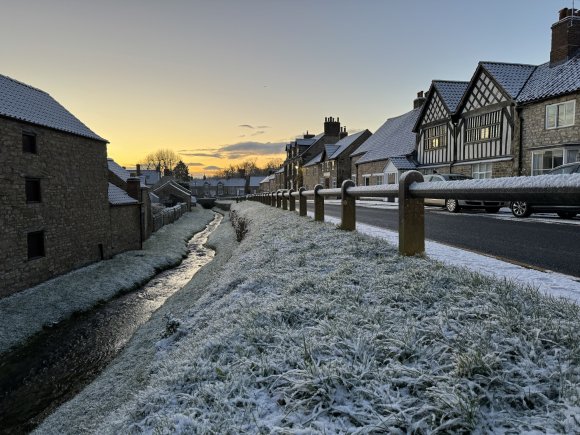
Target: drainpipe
(520, 141)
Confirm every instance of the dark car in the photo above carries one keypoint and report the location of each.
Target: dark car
(454, 205)
(522, 209)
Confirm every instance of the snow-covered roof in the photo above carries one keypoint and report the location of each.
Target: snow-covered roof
(311, 141)
(154, 198)
(280, 171)
(403, 163)
(450, 92)
(394, 138)
(255, 181)
(23, 102)
(511, 76)
(121, 172)
(330, 149)
(547, 82)
(118, 196)
(317, 159)
(344, 143)
(173, 184)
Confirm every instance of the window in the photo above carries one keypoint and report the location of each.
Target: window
(367, 180)
(543, 161)
(32, 188)
(333, 182)
(481, 170)
(572, 156)
(379, 179)
(435, 137)
(29, 143)
(483, 127)
(392, 178)
(560, 115)
(35, 245)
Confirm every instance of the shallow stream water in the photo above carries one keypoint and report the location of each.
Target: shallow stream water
(57, 363)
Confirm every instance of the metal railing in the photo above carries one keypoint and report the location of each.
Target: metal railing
(411, 191)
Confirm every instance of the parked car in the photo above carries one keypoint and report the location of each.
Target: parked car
(522, 209)
(454, 205)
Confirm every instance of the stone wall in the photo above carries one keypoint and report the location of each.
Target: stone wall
(125, 227)
(73, 211)
(370, 168)
(311, 176)
(536, 136)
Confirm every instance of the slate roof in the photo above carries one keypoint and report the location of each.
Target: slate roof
(511, 76)
(547, 82)
(344, 143)
(173, 184)
(330, 149)
(121, 172)
(118, 196)
(255, 181)
(23, 102)
(279, 171)
(317, 159)
(309, 142)
(394, 138)
(403, 163)
(450, 92)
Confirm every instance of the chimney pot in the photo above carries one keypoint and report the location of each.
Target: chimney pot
(563, 13)
(565, 37)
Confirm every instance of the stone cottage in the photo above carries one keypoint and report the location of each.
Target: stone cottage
(53, 186)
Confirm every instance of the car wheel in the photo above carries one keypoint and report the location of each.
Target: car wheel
(452, 205)
(492, 209)
(566, 214)
(520, 209)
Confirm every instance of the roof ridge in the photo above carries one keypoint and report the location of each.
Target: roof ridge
(450, 81)
(24, 84)
(506, 63)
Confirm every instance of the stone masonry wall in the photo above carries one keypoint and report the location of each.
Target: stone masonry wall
(125, 228)
(73, 212)
(536, 135)
(370, 168)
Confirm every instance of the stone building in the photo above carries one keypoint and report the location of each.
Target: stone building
(304, 149)
(53, 187)
(126, 217)
(311, 172)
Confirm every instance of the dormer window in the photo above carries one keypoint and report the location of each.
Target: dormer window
(560, 115)
(484, 127)
(29, 143)
(435, 137)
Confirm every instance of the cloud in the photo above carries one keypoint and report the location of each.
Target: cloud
(194, 164)
(242, 149)
(211, 168)
(258, 133)
(215, 155)
(246, 126)
(263, 126)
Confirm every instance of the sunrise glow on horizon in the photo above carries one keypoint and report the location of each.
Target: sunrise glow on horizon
(221, 82)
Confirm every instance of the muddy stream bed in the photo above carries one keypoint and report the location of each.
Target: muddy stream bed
(54, 365)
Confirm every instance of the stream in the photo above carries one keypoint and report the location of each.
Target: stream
(56, 364)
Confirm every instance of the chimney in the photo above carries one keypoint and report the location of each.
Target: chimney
(565, 36)
(308, 135)
(343, 132)
(134, 187)
(138, 169)
(420, 100)
(331, 127)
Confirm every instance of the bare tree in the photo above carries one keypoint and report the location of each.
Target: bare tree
(274, 164)
(164, 160)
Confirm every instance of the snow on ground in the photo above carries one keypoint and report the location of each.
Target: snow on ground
(549, 282)
(310, 329)
(27, 312)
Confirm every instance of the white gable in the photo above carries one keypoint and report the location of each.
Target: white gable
(484, 93)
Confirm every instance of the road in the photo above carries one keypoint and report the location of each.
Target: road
(552, 244)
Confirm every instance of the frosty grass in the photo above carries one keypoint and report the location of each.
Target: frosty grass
(309, 329)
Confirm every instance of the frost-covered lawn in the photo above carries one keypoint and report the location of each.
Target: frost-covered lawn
(312, 329)
(25, 313)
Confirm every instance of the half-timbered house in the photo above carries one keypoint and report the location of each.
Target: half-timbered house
(435, 127)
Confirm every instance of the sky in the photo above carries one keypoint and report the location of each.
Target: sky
(222, 81)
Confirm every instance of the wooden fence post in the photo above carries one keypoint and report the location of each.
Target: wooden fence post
(348, 209)
(284, 201)
(278, 200)
(273, 199)
(291, 200)
(411, 217)
(318, 204)
(301, 202)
